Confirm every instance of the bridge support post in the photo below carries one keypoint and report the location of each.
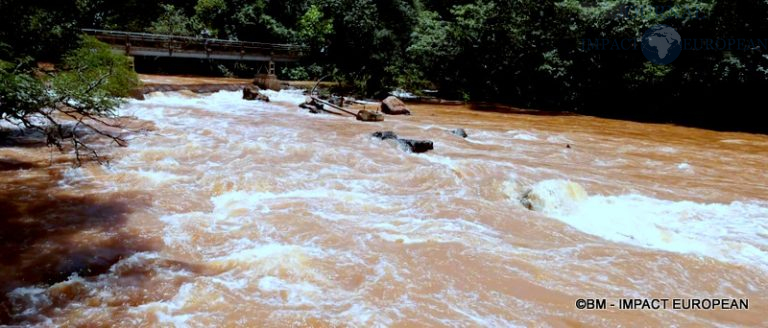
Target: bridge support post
(271, 70)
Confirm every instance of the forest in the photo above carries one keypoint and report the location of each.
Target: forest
(523, 53)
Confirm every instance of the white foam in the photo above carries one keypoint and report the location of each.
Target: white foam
(684, 167)
(734, 141)
(168, 161)
(298, 293)
(165, 311)
(522, 135)
(559, 139)
(669, 150)
(31, 298)
(72, 176)
(442, 160)
(263, 252)
(735, 232)
(417, 231)
(554, 195)
(227, 102)
(157, 177)
(179, 320)
(227, 201)
(295, 96)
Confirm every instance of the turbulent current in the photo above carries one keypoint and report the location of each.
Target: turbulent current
(225, 212)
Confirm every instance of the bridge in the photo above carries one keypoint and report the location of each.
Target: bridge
(158, 45)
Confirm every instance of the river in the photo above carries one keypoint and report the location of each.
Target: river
(225, 212)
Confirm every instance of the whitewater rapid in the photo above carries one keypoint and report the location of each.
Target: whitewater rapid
(262, 214)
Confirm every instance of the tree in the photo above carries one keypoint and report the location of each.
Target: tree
(65, 106)
(314, 29)
(173, 21)
(210, 14)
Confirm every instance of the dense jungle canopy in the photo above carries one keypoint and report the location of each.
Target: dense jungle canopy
(527, 53)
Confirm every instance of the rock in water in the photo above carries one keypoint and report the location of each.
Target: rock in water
(414, 146)
(312, 108)
(253, 92)
(369, 116)
(384, 135)
(250, 92)
(459, 132)
(553, 196)
(417, 146)
(394, 106)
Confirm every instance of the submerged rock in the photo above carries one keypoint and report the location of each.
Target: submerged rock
(369, 116)
(393, 106)
(384, 135)
(553, 195)
(313, 106)
(459, 132)
(253, 92)
(250, 92)
(416, 146)
(411, 145)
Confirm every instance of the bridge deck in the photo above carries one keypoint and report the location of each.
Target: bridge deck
(158, 45)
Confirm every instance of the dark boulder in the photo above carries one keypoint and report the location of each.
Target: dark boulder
(416, 146)
(393, 106)
(312, 108)
(384, 135)
(369, 116)
(459, 132)
(253, 92)
(250, 92)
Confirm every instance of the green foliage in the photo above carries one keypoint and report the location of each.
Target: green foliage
(210, 8)
(295, 73)
(173, 21)
(20, 92)
(310, 72)
(210, 14)
(431, 41)
(88, 87)
(251, 20)
(524, 52)
(92, 81)
(94, 78)
(313, 28)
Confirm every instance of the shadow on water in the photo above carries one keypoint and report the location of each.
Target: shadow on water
(13, 165)
(22, 137)
(505, 109)
(48, 233)
(27, 137)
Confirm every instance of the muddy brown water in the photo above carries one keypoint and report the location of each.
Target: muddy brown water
(223, 212)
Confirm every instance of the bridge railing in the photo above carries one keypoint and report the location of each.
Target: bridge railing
(185, 43)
